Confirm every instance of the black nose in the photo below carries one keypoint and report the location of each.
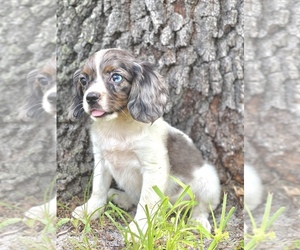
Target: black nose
(92, 98)
(52, 98)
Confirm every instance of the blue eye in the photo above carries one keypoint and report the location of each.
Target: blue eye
(116, 78)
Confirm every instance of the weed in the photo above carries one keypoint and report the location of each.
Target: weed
(170, 226)
(262, 233)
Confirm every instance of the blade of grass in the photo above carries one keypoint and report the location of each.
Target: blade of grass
(8, 222)
(260, 233)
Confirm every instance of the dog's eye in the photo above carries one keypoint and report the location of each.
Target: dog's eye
(43, 81)
(116, 78)
(83, 80)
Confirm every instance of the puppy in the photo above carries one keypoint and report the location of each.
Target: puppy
(42, 100)
(125, 98)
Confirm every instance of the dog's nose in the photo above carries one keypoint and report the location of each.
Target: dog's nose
(92, 98)
(52, 98)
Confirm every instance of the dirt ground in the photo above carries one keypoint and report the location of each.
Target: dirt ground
(285, 194)
(110, 238)
(106, 236)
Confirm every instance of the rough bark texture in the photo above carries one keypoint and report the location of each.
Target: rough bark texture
(196, 45)
(27, 156)
(272, 109)
(273, 89)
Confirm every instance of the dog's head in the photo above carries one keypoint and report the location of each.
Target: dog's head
(112, 81)
(42, 98)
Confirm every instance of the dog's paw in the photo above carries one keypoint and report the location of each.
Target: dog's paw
(90, 209)
(47, 210)
(120, 198)
(205, 223)
(135, 232)
(35, 213)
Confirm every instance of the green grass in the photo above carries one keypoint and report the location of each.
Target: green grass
(169, 227)
(40, 233)
(295, 245)
(262, 233)
(32, 239)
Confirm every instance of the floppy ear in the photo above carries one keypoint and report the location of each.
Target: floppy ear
(76, 108)
(149, 94)
(33, 103)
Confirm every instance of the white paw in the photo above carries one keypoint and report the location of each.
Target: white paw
(120, 198)
(35, 213)
(43, 211)
(89, 209)
(205, 223)
(135, 231)
(245, 228)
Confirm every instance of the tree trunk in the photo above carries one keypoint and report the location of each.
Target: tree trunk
(28, 159)
(196, 45)
(272, 74)
(272, 108)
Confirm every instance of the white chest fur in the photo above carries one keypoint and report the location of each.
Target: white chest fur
(126, 149)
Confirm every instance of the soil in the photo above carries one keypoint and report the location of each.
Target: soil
(285, 194)
(106, 236)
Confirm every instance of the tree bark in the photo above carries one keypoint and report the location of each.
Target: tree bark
(272, 109)
(196, 45)
(28, 159)
(273, 88)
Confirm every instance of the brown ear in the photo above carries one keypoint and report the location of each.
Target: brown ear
(76, 108)
(149, 94)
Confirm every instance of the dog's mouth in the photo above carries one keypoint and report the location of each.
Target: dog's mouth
(97, 113)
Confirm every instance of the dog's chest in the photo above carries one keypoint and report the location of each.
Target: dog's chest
(117, 146)
(121, 160)
(125, 168)
(120, 156)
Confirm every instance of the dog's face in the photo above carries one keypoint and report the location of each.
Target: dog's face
(113, 81)
(42, 84)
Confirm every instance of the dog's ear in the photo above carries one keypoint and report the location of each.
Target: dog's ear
(32, 107)
(149, 94)
(76, 108)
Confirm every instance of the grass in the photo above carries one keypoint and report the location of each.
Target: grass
(169, 227)
(295, 245)
(38, 234)
(262, 233)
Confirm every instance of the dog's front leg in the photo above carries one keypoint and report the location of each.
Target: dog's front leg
(153, 175)
(101, 183)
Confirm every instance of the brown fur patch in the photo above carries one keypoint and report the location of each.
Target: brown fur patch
(184, 157)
